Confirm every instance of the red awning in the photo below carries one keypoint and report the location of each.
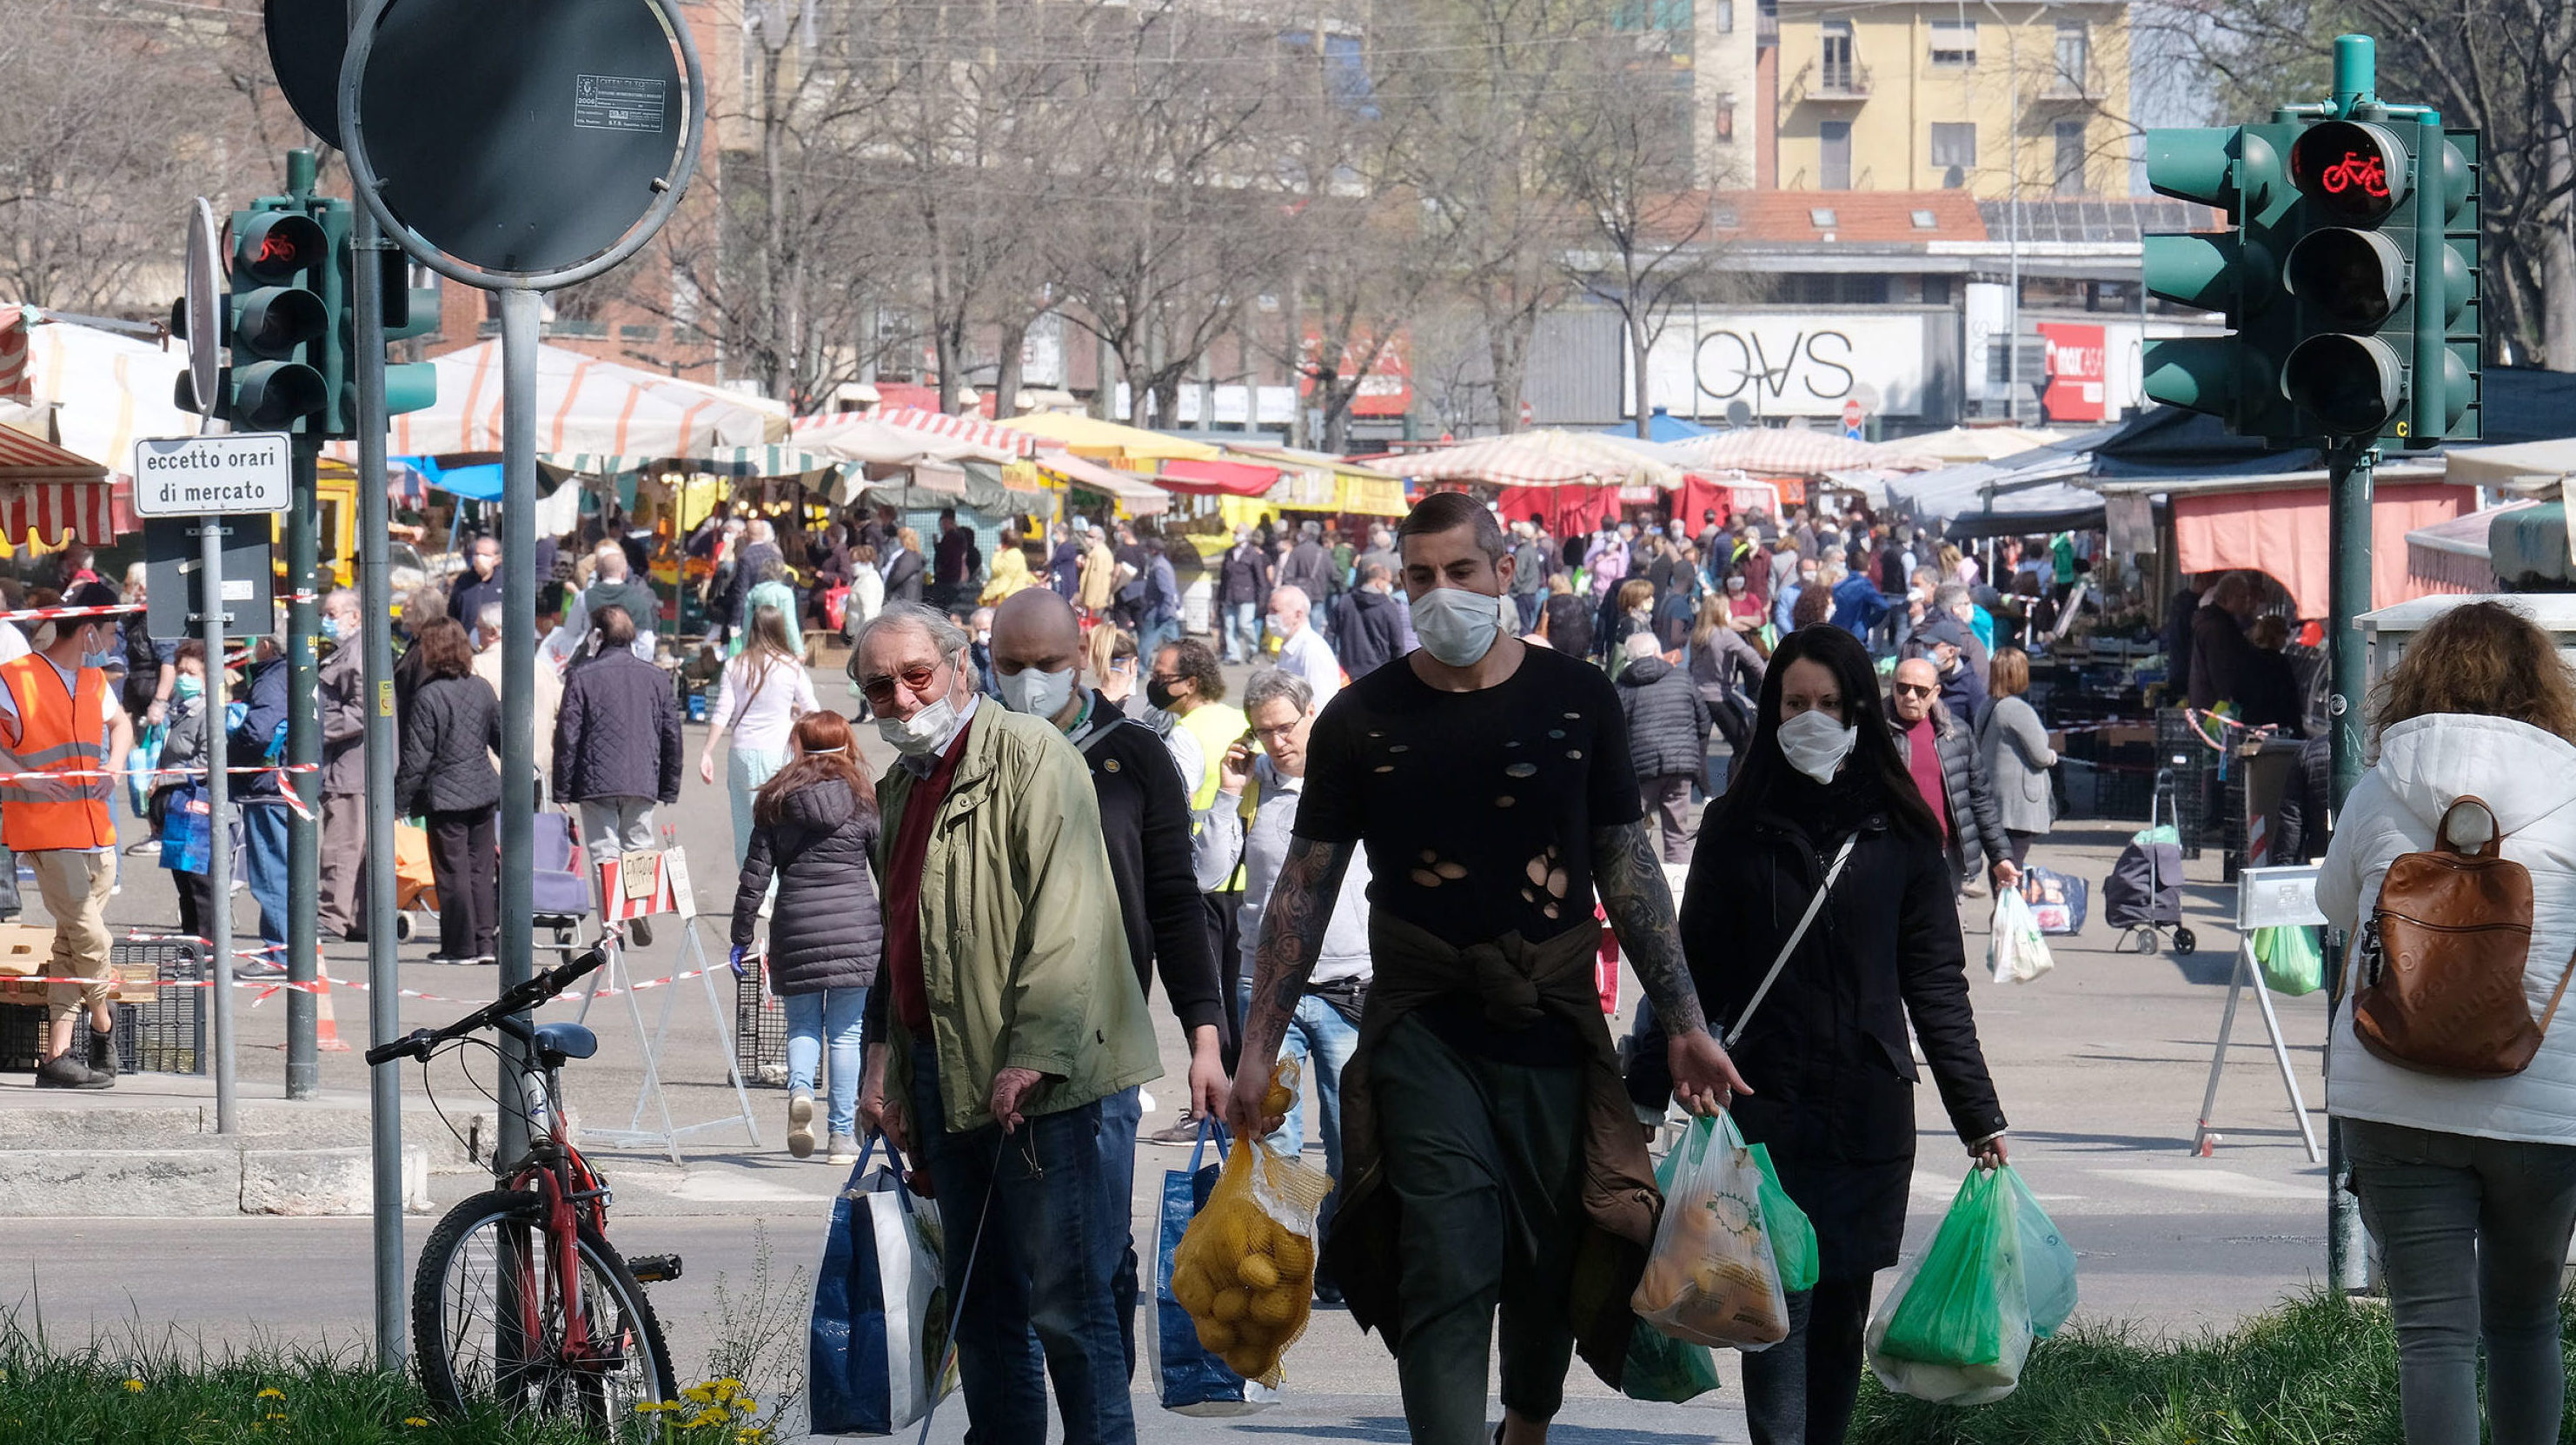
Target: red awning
(2283, 533)
(1238, 479)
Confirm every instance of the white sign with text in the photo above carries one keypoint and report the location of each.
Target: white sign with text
(1803, 364)
(210, 476)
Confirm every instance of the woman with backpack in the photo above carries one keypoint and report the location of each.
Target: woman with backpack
(2468, 1183)
(1826, 1054)
(814, 824)
(764, 690)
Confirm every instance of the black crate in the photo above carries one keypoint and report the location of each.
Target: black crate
(166, 1034)
(2180, 745)
(759, 1034)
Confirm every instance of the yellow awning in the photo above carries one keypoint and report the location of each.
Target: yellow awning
(1103, 440)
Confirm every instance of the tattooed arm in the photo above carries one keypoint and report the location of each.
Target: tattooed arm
(1630, 880)
(1292, 937)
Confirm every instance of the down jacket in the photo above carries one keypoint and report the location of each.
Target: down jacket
(1975, 828)
(617, 732)
(825, 930)
(2529, 778)
(1667, 722)
(447, 744)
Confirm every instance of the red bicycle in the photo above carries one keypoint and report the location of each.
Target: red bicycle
(519, 1299)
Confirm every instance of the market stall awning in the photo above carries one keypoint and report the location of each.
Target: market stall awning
(2531, 469)
(1321, 482)
(108, 391)
(1096, 439)
(1001, 441)
(25, 458)
(880, 442)
(1788, 452)
(584, 405)
(1234, 479)
(1661, 426)
(1542, 459)
(2455, 556)
(51, 512)
(760, 461)
(2281, 531)
(1135, 495)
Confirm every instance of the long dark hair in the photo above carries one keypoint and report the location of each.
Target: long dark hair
(1874, 756)
(829, 754)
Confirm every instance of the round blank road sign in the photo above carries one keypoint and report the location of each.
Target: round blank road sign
(522, 138)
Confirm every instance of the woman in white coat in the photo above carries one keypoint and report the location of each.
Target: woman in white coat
(2469, 1185)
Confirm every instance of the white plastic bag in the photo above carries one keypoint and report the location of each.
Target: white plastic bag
(2015, 951)
(1712, 1278)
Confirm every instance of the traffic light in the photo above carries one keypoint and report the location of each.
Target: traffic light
(409, 311)
(2242, 170)
(279, 256)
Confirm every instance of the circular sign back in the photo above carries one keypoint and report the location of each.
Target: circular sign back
(524, 140)
(306, 39)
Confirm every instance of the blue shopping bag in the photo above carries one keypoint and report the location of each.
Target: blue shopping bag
(880, 1307)
(145, 756)
(1188, 1377)
(187, 830)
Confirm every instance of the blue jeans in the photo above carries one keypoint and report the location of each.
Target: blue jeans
(812, 1020)
(1043, 1299)
(264, 847)
(1321, 1041)
(1155, 635)
(1242, 632)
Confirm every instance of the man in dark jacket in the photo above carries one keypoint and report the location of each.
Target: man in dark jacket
(955, 561)
(617, 745)
(340, 697)
(479, 583)
(2222, 658)
(1667, 737)
(1309, 569)
(1952, 647)
(1064, 563)
(1942, 755)
(2301, 824)
(2180, 614)
(1243, 582)
(1145, 822)
(1857, 602)
(260, 741)
(1374, 628)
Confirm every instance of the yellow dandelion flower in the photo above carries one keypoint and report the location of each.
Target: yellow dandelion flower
(749, 1405)
(271, 1393)
(134, 1387)
(416, 1422)
(703, 1417)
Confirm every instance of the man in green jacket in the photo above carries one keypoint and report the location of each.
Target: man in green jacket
(1006, 1031)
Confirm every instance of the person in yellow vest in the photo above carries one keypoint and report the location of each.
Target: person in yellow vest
(1187, 690)
(58, 716)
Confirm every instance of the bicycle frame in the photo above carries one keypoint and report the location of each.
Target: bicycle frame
(572, 1194)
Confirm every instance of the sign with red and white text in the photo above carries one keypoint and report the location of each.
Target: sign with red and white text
(1387, 390)
(2078, 372)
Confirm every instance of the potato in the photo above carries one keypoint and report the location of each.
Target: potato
(1234, 1232)
(1265, 1236)
(1275, 1307)
(1229, 1305)
(1294, 1255)
(1257, 1272)
(1250, 1364)
(1216, 1336)
(1190, 1286)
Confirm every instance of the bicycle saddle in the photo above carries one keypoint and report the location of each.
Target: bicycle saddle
(571, 1041)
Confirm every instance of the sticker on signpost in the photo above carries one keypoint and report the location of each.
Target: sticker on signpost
(618, 102)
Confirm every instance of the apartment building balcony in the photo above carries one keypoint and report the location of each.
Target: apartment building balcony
(1843, 82)
(2069, 89)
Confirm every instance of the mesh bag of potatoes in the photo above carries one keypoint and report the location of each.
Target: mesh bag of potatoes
(1712, 1278)
(1245, 1270)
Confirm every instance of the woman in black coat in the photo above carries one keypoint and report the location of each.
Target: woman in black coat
(812, 826)
(449, 734)
(1826, 1055)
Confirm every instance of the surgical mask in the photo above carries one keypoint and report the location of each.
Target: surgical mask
(1734, 584)
(100, 657)
(1159, 693)
(984, 638)
(331, 628)
(1277, 625)
(1815, 742)
(1038, 694)
(1456, 626)
(926, 731)
(187, 688)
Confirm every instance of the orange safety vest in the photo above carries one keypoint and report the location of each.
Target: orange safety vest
(59, 731)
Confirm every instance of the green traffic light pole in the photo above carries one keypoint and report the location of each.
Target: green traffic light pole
(303, 726)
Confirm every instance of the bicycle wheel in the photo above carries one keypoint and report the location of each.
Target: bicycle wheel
(488, 1319)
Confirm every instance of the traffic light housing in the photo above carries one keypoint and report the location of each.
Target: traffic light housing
(278, 316)
(2244, 171)
(409, 311)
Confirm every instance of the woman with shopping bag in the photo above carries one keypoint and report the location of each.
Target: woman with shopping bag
(1818, 919)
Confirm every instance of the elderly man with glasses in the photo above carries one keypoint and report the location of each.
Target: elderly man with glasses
(1010, 1034)
(1941, 752)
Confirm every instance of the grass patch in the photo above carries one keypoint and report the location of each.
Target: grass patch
(2315, 1371)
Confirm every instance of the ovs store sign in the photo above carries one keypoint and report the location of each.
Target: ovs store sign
(1790, 364)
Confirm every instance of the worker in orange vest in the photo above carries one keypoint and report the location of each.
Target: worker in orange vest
(57, 715)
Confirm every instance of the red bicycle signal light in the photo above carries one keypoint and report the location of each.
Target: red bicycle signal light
(2354, 170)
(276, 245)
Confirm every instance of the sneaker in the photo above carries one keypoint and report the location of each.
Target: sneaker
(800, 1123)
(1184, 1130)
(487, 960)
(844, 1150)
(65, 1072)
(641, 931)
(262, 968)
(102, 1059)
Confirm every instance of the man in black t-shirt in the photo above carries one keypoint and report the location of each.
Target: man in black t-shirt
(1492, 1160)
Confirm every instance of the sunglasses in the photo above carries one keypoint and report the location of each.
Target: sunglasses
(1914, 689)
(879, 691)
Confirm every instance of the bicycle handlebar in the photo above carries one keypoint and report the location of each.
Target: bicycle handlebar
(528, 995)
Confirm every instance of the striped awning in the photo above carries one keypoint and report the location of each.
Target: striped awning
(28, 458)
(1787, 452)
(50, 512)
(1540, 459)
(963, 428)
(1136, 496)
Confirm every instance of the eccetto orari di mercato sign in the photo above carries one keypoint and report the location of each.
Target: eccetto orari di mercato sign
(206, 476)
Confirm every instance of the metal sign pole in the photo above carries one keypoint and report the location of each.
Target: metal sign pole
(516, 939)
(219, 812)
(2348, 597)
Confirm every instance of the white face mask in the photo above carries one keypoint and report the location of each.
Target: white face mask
(1038, 694)
(1455, 625)
(926, 731)
(1815, 743)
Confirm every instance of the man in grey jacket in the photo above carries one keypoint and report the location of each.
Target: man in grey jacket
(340, 697)
(1952, 778)
(1256, 810)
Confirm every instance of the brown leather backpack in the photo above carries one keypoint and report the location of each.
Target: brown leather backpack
(2442, 962)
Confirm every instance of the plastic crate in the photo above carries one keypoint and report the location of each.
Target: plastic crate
(759, 1034)
(164, 1034)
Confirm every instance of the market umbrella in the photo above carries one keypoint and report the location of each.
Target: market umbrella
(585, 406)
(1544, 458)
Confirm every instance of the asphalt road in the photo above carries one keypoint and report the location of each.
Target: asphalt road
(2100, 1064)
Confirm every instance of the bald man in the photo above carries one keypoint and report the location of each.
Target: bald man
(1301, 649)
(1942, 755)
(1145, 822)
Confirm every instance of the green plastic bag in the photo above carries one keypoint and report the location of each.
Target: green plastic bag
(1659, 1367)
(2161, 833)
(1965, 1307)
(1793, 1235)
(2290, 961)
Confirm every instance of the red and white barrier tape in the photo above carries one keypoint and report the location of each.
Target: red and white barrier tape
(48, 614)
